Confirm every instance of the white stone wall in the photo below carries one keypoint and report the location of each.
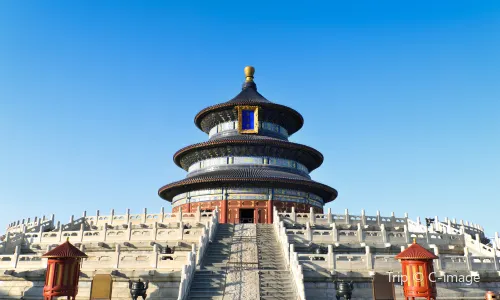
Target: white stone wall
(363, 290)
(33, 290)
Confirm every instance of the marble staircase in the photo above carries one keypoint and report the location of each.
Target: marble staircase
(275, 280)
(209, 281)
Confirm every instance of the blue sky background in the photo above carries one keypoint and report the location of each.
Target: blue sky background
(402, 98)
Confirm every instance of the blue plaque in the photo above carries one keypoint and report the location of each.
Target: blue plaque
(247, 122)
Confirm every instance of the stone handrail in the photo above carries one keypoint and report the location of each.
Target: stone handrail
(193, 260)
(147, 218)
(30, 225)
(118, 258)
(207, 236)
(483, 260)
(103, 260)
(360, 235)
(329, 218)
(392, 221)
(473, 244)
(158, 231)
(369, 262)
(187, 275)
(290, 255)
(476, 246)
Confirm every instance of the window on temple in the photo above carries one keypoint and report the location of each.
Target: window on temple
(248, 119)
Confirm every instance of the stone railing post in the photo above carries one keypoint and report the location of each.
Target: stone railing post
(383, 232)
(162, 215)
(105, 232)
(82, 229)
(155, 231)
(40, 232)
(112, 216)
(154, 257)
(347, 217)
(467, 259)
(406, 233)
(179, 214)
(97, 217)
(335, 234)
(15, 259)
(369, 258)
(197, 214)
(330, 259)
(181, 230)
(117, 256)
(393, 219)
(60, 233)
(436, 224)
(292, 251)
(363, 217)
(478, 242)
(308, 235)
(437, 262)
(312, 216)
(329, 216)
(293, 216)
(427, 238)
(127, 216)
(129, 231)
(378, 218)
(145, 216)
(461, 227)
(361, 237)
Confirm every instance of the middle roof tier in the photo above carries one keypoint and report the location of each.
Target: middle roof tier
(248, 145)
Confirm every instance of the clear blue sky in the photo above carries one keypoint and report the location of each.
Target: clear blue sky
(402, 99)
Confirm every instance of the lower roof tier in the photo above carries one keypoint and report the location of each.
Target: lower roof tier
(248, 178)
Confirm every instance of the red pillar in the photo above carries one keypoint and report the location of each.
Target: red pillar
(270, 211)
(223, 211)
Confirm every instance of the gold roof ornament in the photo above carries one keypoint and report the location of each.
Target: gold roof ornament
(249, 71)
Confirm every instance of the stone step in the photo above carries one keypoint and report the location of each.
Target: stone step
(206, 292)
(207, 286)
(208, 282)
(206, 273)
(281, 282)
(276, 292)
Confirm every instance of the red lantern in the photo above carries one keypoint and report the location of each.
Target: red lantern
(418, 272)
(63, 271)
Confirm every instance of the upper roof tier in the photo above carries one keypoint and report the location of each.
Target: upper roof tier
(271, 112)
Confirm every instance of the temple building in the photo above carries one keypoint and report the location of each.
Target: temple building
(247, 166)
(247, 222)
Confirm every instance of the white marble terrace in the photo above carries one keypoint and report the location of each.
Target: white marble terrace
(116, 242)
(344, 235)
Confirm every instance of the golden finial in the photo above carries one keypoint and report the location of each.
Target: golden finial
(414, 240)
(67, 239)
(249, 71)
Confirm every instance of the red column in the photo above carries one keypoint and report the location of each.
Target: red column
(270, 211)
(223, 211)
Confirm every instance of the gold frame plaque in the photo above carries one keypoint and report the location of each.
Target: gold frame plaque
(255, 119)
